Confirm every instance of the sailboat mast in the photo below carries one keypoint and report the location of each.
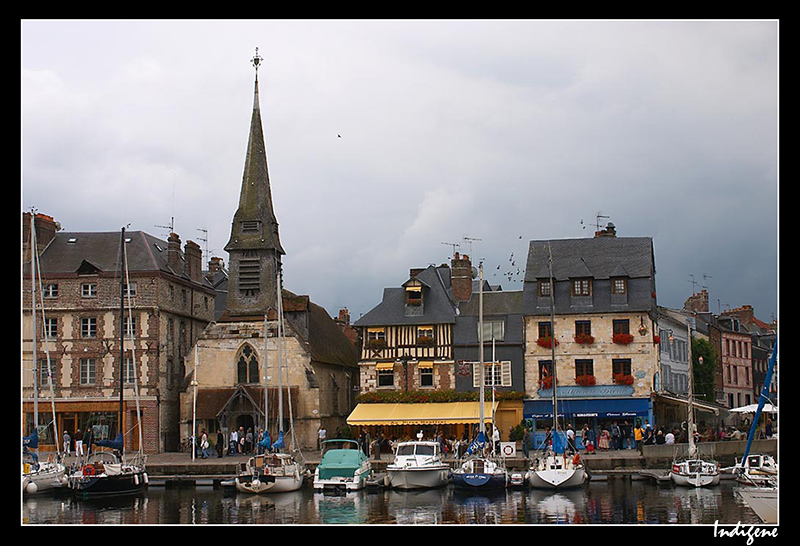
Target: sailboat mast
(121, 327)
(33, 323)
(553, 338)
(280, 354)
(482, 424)
(690, 419)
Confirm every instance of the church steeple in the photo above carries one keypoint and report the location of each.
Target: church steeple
(254, 247)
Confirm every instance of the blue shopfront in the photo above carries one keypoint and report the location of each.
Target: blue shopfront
(596, 413)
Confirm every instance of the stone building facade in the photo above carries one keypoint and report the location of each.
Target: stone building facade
(170, 303)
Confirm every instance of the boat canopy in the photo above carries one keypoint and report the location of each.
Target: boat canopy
(340, 463)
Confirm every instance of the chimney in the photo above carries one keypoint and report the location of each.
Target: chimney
(194, 261)
(610, 231)
(215, 264)
(697, 303)
(461, 277)
(174, 252)
(344, 316)
(744, 313)
(46, 229)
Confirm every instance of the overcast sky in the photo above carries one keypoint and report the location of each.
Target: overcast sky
(502, 131)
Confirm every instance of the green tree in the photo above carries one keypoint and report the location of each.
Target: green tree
(703, 370)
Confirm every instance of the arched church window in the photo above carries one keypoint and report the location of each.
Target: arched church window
(247, 366)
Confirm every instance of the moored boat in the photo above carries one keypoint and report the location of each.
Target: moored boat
(417, 465)
(269, 473)
(343, 467)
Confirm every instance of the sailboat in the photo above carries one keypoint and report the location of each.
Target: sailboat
(39, 475)
(478, 472)
(692, 469)
(275, 471)
(760, 490)
(554, 467)
(110, 473)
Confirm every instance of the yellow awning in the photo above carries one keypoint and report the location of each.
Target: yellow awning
(419, 414)
(384, 366)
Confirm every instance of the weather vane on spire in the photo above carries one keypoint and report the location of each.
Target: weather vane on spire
(256, 61)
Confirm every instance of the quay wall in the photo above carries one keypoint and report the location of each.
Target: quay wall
(725, 453)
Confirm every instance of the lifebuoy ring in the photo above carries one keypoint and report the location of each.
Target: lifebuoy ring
(508, 450)
(89, 470)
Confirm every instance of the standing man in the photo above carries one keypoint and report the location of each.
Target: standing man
(321, 435)
(79, 442)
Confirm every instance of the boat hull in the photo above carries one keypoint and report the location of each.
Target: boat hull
(340, 483)
(268, 484)
(557, 479)
(418, 478)
(127, 483)
(49, 476)
(694, 480)
(477, 481)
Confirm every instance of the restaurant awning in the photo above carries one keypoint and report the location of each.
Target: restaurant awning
(419, 414)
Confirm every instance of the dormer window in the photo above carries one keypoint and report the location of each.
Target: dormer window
(414, 295)
(582, 287)
(619, 285)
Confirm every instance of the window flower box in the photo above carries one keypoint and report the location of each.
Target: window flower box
(546, 382)
(376, 344)
(586, 380)
(622, 339)
(547, 342)
(425, 341)
(623, 379)
(584, 339)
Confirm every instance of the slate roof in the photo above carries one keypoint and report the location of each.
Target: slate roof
(599, 258)
(439, 307)
(69, 252)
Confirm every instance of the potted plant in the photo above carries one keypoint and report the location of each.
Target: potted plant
(376, 344)
(424, 341)
(546, 382)
(586, 380)
(622, 339)
(584, 339)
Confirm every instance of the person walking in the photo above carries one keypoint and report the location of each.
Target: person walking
(616, 436)
(570, 438)
(204, 444)
(67, 441)
(234, 442)
(322, 434)
(220, 444)
(79, 442)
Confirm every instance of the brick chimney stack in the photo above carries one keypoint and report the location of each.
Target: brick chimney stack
(610, 231)
(194, 261)
(461, 277)
(174, 252)
(46, 228)
(697, 303)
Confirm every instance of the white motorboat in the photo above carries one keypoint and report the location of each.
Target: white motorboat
(763, 500)
(417, 465)
(557, 470)
(269, 473)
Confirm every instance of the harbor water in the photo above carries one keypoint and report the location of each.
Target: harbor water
(616, 501)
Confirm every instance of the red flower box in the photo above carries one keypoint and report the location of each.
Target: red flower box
(546, 342)
(584, 339)
(623, 339)
(546, 382)
(586, 380)
(623, 379)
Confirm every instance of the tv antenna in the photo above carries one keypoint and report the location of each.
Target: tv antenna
(455, 246)
(170, 227)
(470, 239)
(597, 218)
(204, 238)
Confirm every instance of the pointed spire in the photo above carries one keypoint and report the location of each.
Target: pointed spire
(254, 224)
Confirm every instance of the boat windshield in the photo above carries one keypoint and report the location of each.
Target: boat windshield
(415, 449)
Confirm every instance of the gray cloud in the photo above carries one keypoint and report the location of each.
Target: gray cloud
(488, 129)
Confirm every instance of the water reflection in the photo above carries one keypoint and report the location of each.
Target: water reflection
(612, 502)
